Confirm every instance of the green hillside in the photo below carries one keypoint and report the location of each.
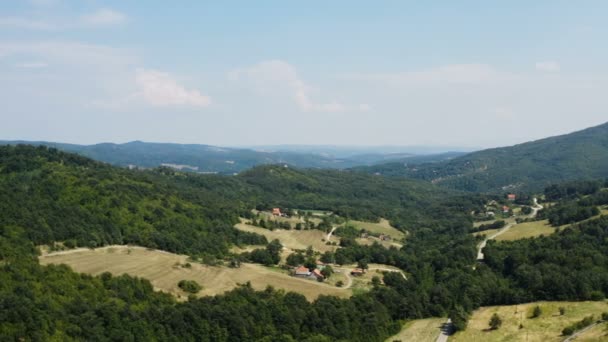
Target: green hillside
(224, 160)
(50, 196)
(531, 166)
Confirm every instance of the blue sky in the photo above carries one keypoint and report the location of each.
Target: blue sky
(465, 73)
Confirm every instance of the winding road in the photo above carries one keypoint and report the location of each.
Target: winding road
(482, 245)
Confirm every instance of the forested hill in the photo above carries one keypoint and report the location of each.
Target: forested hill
(58, 196)
(47, 195)
(529, 166)
(224, 160)
(51, 196)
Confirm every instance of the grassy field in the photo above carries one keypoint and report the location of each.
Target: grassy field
(546, 328)
(598, 333)
(292, 239)
(292, 220)
(165, 270)
(527, 230)
(420, 330)
(382, 227)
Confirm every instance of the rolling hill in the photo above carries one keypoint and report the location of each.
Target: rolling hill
(226, 160)
(527, 166)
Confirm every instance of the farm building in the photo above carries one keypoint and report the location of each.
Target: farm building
(317, 274)
(357, 272)
(302, 272)
(276, 211)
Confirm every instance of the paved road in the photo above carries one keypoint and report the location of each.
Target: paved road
(482, 245)
(446, 330)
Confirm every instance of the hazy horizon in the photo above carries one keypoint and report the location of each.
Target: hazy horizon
(272, 73)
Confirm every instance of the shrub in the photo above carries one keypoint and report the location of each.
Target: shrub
(495, 321)
(190, 286)
(537, 312)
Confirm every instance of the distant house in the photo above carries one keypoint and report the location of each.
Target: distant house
(511, 197)
(276, 211)
(320, 265)
(317, 274)
(505, 209)
(302, 272)
(357, 272)
(384, 237)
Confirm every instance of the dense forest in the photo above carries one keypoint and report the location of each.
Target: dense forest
(50, 196)
(529, 166)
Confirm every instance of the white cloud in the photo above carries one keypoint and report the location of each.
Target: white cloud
(548, 66)
(101, 18)
(72, 54)
(160, 89)
(442, 75)
(275, 76)
(26, 23)
(104, 17)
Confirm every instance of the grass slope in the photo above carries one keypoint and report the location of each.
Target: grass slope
(291, 238)
(420, 330)
(546, 328)
(162, 270)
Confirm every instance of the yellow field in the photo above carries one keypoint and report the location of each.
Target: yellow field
(292, 239)
(527, 230)
(598, 333)
(382, 227)
(163, 270)
(546, 328)
(420, 330)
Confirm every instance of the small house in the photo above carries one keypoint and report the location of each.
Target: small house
(302, 272)
(384, 237)
(511, 197)
(357, 272)
(505, 209)
(276, 211)
(317, 274)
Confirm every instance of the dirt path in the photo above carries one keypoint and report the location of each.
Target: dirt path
(330, 233)
(482, 245)
(580, 332)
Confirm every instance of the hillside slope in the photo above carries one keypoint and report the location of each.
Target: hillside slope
(532, 165)
(215, 159)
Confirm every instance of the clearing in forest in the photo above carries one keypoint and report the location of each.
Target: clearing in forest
(419, 330)
(546, 328)
(527, 230)
(382, 227)
(164, 270)
(291, 238)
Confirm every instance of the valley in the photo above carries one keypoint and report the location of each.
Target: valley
(164, 270)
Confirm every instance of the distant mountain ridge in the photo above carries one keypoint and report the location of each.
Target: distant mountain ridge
(532, 165)
(208, 158)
